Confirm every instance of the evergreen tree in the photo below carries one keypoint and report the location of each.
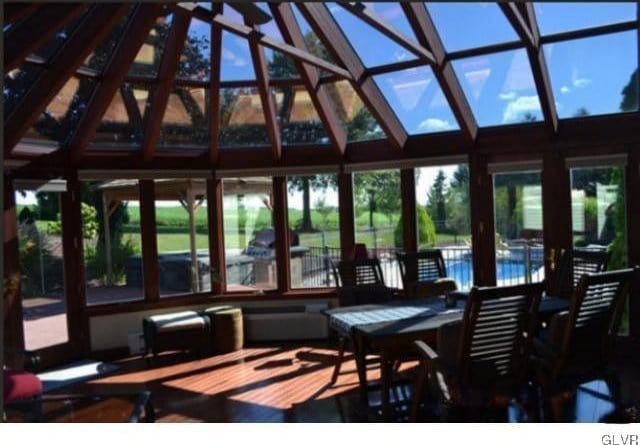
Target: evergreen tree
(436, 201)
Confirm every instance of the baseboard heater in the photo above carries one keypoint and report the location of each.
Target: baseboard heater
(295, 322)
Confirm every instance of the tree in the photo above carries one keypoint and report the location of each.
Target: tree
(630, 94)
(436, 200)
(379, 191)
(457, 201)
(304, 184)
(426, 229)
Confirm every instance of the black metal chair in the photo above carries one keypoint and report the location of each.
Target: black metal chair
(481, 361)
(572, 265)
(578, 345)
(424, 273)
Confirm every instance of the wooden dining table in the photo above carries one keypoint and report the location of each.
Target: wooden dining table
(390, 330)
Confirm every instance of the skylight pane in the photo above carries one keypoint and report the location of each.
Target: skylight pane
(356, 118)
(393, 14)
(470, 25)
(148, 59)
(500, 88)
(185, 122)
(298, 118)
(51, 47)
(236, 63)
(99, 57)
(416, 98)
(561, 17)
(16, 83)
(122, 122)
(313, 42)
(594, 75)
(195, 60)
(373, 47)
(242, 121)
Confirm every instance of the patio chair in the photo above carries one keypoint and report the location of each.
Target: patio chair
(482, 360)
(424, 274)
(578, 345)
(572, 265)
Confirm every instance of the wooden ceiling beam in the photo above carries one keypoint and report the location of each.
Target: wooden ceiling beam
(428, 36)
(267, 99)
(214, 107)
(370, 17)
(114, 74)
(93, 30)
(28, 35)
(164, 87)
(14, 12)
(520, 24)
(336, 43)
(292, 34)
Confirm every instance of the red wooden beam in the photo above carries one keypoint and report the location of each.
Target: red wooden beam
(520, 23)
(134, 36)
(632, 176)
(482, 222)
(13, 12)
(149, 240)
(347, 215)
(28, 35)
(216, 236)
(292, 34)
(409, 216)
(214, 91)
(281, 226)
(331, 35)
(164, 87)
(94, 28)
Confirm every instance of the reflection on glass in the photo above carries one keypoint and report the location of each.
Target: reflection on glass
(299, 122)
(122, 122)
(182, 236)
(393, 14)
(236, 62)
(51, 46)
(148, 59)
(517, 199)
(98, 58)
(499, 87)
(470, 25)
(373, 47)
(185, 120)
(596, 75)
(378, 224)
(249, 238)
(417, 99)
(311, 39)
(555, 17)
(356, 119)
(241, 118)
(443, 218)
(42, 282)
(314, 224)
(113, 258)
(195, 60)
(16, 83)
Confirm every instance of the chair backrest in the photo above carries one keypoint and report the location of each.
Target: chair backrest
(594, 318)
(497, 328)
(573, 264)
(361, 271)
(420, 267)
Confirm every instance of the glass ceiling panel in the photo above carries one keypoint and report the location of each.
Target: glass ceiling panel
(122, 122)
(561, 17)
(314, 44)
(500, 88)
(356, 119)
(98, 58)
(298, 118)
(16, 83)
(393, 14)
(185, 121)
(417, 99)
(64, 112)
(470, 25)
(373, 47)
(594, 75)
(236, 63)
(195, 60)
(242, 121)
(51, 47)
(148, 59)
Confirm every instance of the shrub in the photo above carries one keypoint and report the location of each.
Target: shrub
(426, 229)
(89, 223)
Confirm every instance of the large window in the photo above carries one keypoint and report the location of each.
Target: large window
(42, 287)
(182, 236)
(444, 217)
(112, 247)
(518, 225)
(249, 237)
(378, 206)
(314, 224)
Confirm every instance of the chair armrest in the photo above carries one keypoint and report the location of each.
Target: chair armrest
(543, 354)
(431, 360)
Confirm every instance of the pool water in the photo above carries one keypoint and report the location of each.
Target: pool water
(507, 272)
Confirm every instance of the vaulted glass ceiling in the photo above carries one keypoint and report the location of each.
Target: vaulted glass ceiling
(590, 73)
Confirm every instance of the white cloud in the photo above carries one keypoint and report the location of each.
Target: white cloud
(516, 109)
(565, 89)
(233, 58)
(581, 82)
(433, 124)
(511, 95)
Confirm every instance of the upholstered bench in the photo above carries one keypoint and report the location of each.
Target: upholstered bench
(186, 330)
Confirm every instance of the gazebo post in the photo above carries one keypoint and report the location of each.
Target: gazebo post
(192, 238)
(107, 238)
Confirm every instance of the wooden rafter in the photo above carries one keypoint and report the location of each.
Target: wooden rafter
(94, 28)
(332, 37)
(267, 99)
(428, 36)
(527, 28)
(214, 91)
(292, 34)
(370, 17)
(164, 87)
(22, 39)
(13, 12)
(266, 41)
(131, 105)
(114, 73)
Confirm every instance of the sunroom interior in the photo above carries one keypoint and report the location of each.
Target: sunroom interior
(321, 212)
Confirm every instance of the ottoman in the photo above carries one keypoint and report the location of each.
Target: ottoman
(186, 330)
(228, 329)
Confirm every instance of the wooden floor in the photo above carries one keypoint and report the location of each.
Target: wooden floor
(280, 384)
